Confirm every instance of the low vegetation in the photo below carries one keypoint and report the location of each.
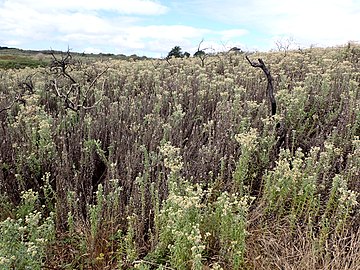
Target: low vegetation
(17, 62)
(179, 164)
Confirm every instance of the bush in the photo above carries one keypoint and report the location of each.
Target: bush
(155, 164)
(24, 239)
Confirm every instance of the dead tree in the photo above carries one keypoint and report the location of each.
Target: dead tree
(270, 86)
(280, 127)
(74, 95)
(201, 54)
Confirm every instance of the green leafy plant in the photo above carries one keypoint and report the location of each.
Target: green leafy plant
(24, 239)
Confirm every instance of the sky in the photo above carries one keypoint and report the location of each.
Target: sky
(153, 27)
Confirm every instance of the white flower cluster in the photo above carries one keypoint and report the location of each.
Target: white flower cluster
(234, 203)
(178, 113)
(348, 197)
(248, 140)
(172, 158)
(33, 218)
(29, 196)
(23, 241)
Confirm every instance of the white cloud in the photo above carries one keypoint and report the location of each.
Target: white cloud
(138, 26)
(143, 7)
(81, 23)
(56, 22)
(12, 43)
(233, 33)
(173, 32)
(310, 21)
(154, 37)
(318, 21)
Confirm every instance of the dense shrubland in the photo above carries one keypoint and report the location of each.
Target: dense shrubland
(177, 164)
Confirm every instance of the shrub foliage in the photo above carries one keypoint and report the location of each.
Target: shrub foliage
(178, 164)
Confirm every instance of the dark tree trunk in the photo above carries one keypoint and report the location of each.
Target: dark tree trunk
(270, 87)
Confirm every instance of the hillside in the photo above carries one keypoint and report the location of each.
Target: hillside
(178, 164)
(18, 58)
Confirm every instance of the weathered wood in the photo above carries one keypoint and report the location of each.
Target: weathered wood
(270, 86)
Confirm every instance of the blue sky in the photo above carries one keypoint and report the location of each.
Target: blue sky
(152, 28)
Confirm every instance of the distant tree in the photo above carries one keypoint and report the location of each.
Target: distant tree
(284, 45)
(235, 49)
(186, 54)
(201, 54)
(175, 52)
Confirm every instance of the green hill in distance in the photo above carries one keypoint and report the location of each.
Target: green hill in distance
(19, 58)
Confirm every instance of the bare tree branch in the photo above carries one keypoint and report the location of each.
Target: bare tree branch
(96, 79)
(201, 53)
(74, 95)
(61, 65)
(27, 84)
(67, 101)
(11, 104)
(270, 87)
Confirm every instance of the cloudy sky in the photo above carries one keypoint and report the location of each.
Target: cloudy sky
(153, 27)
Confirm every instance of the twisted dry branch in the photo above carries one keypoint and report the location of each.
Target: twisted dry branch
(60, 67)
(270, 87)
(11, 104)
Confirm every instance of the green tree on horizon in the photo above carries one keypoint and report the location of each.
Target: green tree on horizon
(177, 53)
